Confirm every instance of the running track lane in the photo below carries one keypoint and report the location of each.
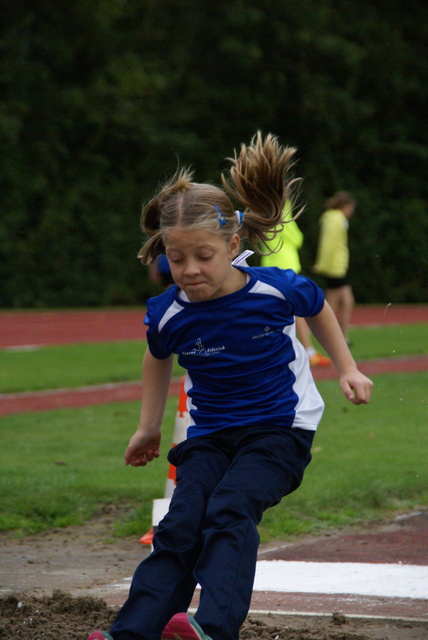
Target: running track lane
(11, 403)
(37, 328)
(67, 327)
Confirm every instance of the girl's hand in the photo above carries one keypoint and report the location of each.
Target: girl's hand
(354, 384)
(143, 448)
(356, 387)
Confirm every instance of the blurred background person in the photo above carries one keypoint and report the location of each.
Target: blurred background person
(286, 244)
(160, 272)
(332, 261)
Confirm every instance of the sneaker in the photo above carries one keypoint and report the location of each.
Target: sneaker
(183, 627)
(318, 360)
(99, 635)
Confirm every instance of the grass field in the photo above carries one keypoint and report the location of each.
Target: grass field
(368, 461)
(57, 468)
(97, 363)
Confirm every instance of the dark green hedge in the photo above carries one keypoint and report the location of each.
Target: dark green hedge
(100, 99)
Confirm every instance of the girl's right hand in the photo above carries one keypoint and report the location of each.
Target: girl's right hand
(356, 387)
(143, 448)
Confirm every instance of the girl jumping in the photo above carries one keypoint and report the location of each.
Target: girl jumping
(252, 401)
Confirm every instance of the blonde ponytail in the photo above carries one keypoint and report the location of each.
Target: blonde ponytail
(259, 180)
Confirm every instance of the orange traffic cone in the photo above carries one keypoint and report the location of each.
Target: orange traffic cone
(180, 429)
(160, 506)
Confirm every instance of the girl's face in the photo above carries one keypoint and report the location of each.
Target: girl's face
(200, 263)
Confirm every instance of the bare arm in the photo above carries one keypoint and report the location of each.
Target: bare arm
(144, 445)
(355, 385)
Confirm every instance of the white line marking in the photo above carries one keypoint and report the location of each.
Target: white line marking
(388, 580)
(347, 578)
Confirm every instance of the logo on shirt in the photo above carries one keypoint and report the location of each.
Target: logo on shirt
(200, 350)
(267, 331)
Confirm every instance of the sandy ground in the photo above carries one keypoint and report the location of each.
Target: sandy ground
(61, 583)
(64, 616)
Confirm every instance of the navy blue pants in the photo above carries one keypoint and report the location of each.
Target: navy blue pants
(225, 482)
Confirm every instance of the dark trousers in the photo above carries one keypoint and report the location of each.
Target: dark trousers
(225, 482)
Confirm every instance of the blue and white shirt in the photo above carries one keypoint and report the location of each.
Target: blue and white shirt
(244, 364)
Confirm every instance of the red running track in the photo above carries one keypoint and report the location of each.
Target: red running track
(51, 327)
(66, 327)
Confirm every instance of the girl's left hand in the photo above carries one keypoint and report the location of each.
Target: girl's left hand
(143, 448)
(356, 387)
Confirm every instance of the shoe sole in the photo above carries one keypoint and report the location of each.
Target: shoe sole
(183, 627)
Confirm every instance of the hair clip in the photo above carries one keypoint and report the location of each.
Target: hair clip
(239, 216)
(220, 216)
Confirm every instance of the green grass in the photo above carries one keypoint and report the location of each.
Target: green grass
(97, 363)
(73, 365)
(368, 461)
(389, 340)
(58, 468)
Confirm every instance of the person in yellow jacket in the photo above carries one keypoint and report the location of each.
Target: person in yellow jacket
(332, 260)
(286, 244)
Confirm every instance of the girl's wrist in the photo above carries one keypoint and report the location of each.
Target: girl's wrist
(345, 366)
(145, 429)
